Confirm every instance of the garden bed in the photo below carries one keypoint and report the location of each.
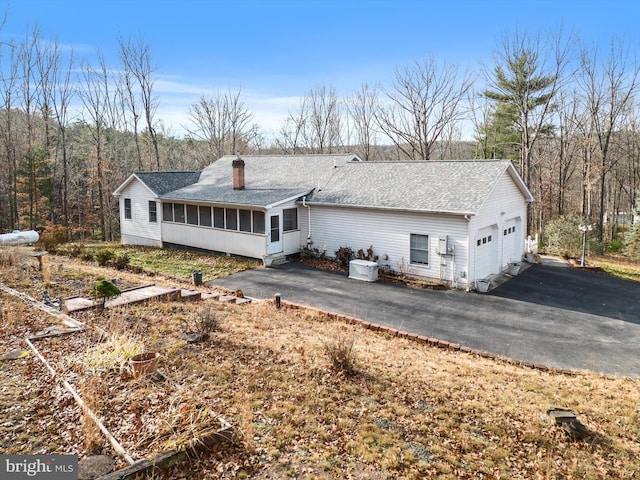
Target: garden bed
(405, 411)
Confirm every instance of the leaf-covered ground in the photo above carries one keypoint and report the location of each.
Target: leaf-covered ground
(409, 411)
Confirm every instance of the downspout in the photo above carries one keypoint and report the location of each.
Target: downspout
(304, 204)
(470, 248)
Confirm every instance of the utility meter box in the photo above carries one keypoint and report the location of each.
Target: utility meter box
(363, 270)
(443, 246)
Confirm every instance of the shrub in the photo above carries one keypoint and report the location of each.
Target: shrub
(344, 255)
(563, 236)
(103, 290)
(104, 256)
(309, 252)
(367, 256)
(341, 353)
(203, 322)
(52, 236)
(120, 262)
(206, 321)
(616, 246)
(632, 240)
(75, 250)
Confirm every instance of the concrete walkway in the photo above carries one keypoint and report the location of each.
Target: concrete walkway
(549, 314)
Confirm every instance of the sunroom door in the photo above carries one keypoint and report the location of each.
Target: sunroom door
(274, 239)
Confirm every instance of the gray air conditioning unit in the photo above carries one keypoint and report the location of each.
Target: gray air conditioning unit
(363, 270)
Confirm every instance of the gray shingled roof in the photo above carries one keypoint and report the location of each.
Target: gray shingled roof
(268, 179)
(164, 182)
(434, 186)
(458, 187)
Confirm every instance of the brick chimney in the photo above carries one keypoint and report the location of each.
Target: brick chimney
(238, 173)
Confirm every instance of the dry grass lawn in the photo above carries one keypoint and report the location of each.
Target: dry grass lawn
(407, 411)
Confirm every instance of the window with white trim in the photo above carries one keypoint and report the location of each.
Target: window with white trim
(419, 252)
(153, 211)
(245, 220)
(192, 214)
(231, 218)
(167, 212)
(205, 216)
(258, 221)
(218, 217)
(127, 208)
(289, 219)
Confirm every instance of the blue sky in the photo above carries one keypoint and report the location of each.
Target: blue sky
(277, 50)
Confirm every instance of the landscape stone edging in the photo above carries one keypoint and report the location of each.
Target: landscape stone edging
(429, 341)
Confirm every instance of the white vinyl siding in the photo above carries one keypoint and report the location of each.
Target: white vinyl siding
(139, 230)
(227, 241)
(504, 209)
(388, 232)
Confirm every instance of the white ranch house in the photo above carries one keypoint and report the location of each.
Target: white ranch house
(455, 222)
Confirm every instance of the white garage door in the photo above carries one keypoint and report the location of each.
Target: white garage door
(511, 251)
(486, 253)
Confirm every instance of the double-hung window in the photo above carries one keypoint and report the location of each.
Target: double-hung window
(153, 211)
(127, 208)
(419, 253)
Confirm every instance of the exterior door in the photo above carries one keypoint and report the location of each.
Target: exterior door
(274, 226)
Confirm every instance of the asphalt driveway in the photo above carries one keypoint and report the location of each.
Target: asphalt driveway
(550, 314)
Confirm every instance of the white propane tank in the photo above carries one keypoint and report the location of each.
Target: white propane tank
(19, 238)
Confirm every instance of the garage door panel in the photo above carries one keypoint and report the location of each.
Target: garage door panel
(486, 253)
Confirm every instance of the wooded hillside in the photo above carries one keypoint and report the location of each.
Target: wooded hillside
(566, 113)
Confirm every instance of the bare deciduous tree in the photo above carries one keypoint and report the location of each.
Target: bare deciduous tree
(425, 99)
(316, 126)
(608, 83)
(223, 122)
(63, 92)
(136, 58)
(362, 108)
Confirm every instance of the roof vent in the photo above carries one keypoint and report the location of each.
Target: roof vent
(238, 173)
